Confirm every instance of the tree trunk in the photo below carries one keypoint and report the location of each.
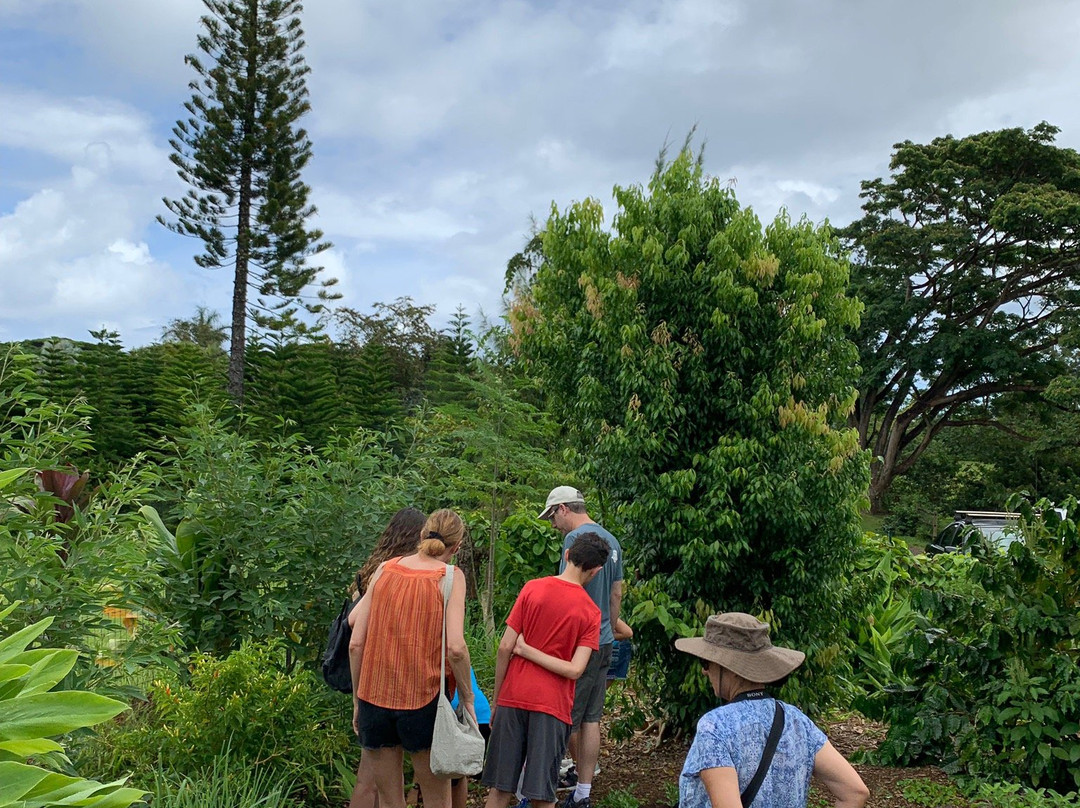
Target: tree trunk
(238, 341)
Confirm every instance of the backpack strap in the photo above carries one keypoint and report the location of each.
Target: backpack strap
(766, 756)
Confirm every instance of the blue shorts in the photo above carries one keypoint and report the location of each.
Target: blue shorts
(621, 653)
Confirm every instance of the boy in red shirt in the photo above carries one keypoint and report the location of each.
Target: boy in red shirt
(550, 634)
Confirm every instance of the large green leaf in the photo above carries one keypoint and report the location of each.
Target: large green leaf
(48, 671)
(17, 642)
(23, 786)
(48, 714)
(16, 780)
(10, 476)
(23, 750)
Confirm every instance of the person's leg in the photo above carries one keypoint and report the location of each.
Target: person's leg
(436, 790)
(497, 798)
(364, 794)
(459, 792)
(588, 751)
(386, 767)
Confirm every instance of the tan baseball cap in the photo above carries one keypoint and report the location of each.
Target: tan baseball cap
(562, 495)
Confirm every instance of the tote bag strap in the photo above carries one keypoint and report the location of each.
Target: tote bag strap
(447, 587)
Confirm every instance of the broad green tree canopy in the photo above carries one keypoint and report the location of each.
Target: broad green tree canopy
(702, 368)
(967, 262)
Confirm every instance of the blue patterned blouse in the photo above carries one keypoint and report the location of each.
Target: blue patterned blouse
(734, 736)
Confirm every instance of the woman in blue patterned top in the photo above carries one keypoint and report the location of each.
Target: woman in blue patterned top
(721, 768)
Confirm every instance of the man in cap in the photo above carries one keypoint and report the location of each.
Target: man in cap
(565, 509)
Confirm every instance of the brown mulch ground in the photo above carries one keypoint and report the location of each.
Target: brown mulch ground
(649, 768)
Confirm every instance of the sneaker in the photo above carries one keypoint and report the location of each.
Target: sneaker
(596, 771)
(565, 765)
(572, 803)
(568, 780)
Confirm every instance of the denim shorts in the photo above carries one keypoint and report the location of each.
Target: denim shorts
(621, 654)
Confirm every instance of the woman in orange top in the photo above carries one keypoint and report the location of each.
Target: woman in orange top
(395, 653)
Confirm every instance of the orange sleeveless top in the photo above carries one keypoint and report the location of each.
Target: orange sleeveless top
(404, 639)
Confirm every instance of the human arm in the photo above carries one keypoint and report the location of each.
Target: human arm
(722, 786)
(621, 630)
(840, 778)
(615, 603)
(570, 669)
(502, 660)
(358, 622)
(457, 651)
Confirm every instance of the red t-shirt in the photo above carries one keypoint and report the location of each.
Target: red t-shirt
(556, 617)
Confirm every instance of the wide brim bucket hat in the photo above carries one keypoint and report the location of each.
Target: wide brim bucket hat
(740, 642)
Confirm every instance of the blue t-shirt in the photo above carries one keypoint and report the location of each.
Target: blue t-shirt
(599, 588)
(480, 702)
(734, 736)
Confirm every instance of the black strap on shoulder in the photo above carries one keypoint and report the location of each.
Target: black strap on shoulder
(766, 757)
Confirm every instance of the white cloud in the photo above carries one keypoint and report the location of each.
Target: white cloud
(441, 126)
(72, 254)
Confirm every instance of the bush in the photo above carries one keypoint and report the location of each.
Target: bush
(32, 712)
(996, 688)
(288, 724)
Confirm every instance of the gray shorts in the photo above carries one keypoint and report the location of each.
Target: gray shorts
(526, 738)
(590, 689)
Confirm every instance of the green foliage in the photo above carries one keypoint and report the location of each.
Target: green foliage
(620, 798)
(965, 260)
(931, 794)
(486, 457)
(241, 152)
(881, 620)
(701, 366)
(1014, 795)
(70, 561)
(996, 689)
(288, 725)
(224, 783)
(266, 543)
(671, 794)
(32, 713)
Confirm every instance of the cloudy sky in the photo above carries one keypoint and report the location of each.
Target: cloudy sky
(442, 128)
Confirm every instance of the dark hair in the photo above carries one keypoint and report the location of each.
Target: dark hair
(589, 551)
(400, 537)
(442, 529)
(575, 507)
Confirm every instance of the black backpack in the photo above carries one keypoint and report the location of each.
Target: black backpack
(335, 659)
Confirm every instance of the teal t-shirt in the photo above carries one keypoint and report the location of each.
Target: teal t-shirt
(599, 588)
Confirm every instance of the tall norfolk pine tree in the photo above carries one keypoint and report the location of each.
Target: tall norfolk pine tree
(242, 153)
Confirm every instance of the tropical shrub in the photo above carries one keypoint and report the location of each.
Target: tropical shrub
(881, 619)
(72, 546)
(32, 713)
(262, 538)
(701, 365)
(246, 705)
(996, 688)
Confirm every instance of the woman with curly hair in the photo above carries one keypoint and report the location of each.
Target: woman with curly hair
(395, 654)
(400, 537)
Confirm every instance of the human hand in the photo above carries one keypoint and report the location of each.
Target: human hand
(521, 648)
(356, 717)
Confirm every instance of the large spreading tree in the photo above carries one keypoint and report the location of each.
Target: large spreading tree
(241, 151)
(702, 368)
(967, 260)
